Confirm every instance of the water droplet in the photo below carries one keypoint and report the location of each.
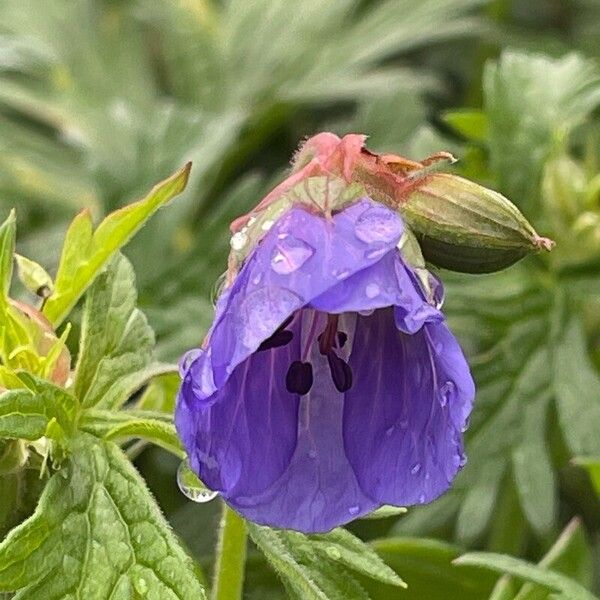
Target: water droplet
(282, 236)
(191, 487)
(187, 359)
(290, 254)
(415, 468)
(372, 290)
(333, 552)
(390, 430)
(447, 392)
(267, 225)
(427, 476)
(378, 224)
(341, 273)
(376, 250)
(462, 460)
(312, 454)
(238, 241)
(466, 425)
(422, 499)
(257, 279)
(354, 510)
(140, 585)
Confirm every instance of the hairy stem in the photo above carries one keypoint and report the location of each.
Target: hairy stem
(231, 557)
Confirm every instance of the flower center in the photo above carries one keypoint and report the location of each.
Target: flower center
(299, 378)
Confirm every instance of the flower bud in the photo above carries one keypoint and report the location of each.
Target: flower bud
(465, 227)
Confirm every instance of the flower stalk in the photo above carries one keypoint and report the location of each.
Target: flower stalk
(228, 578)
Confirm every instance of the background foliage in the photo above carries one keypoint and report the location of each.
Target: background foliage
(99, 99)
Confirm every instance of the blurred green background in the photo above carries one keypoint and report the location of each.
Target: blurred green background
(100, 99)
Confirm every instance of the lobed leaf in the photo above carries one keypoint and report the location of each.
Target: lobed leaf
(95, 534)
(116, 340)
(86, 252)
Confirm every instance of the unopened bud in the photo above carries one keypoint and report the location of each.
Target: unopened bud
(465, 227)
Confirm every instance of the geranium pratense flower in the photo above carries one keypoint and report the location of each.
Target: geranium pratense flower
(329, 385)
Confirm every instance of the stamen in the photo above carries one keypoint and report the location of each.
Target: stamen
(279, 338)
(299, 378)
(341, 372)
(327, 339)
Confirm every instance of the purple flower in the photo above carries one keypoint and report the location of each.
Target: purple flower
(328, 386)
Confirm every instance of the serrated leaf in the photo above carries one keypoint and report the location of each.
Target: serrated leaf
(323, 565)
(85, 253)
(576, 384)
(116, 340)
(152, 426)
(342, 546)
(521, 569)
(8, 231)
(96, 533)
(295, 576)
(26, 413)
(533, 470)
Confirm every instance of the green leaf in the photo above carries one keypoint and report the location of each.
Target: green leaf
(322, 566)
(8, 231)
(570, 556)
(426, 566)
(85, 253)
(472, 124)
(385, 512)
(96, 533)
(160, 393)
(346, 548)
(155, 427)
(532, 102)
(116, 340)
(576, 385)
(534, 474)
(521, 569)
(26, 413)
(592, 466)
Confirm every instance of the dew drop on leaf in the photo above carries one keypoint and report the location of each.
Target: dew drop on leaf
(191, 487)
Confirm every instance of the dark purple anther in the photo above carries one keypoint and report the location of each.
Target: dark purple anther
(299, 378)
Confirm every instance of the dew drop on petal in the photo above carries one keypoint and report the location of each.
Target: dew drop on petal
(415, 468)
(354, 510)
(376, 250)
(257, 279)
(289, 254)
(191, 487)
(378, 224)
(389, 431)
(372, 290)
(267, 225)
(446, 392)
(422, 499)
(466, 425)
(462, 460)
(187, 359)
(341, 273)
(238, 241)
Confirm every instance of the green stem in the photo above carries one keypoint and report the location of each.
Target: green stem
(231, 557)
